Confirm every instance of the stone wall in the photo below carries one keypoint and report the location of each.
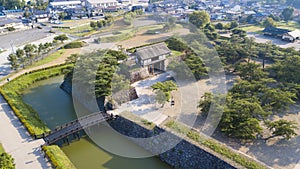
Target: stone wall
(139, 74)
(184, 155)
(120, 97)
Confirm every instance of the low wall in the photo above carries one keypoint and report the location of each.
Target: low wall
(185, 155)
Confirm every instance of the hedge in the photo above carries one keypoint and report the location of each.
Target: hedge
(72, 45)
(215, 146)
(12, 92)
(58, 158)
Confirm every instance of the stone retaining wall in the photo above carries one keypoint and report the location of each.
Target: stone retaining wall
(184, 155)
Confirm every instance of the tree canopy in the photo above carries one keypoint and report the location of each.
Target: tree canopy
(199, 18)
(61, 38)
(163, 91)
(269, 22)
(287, 13)
(6, 161)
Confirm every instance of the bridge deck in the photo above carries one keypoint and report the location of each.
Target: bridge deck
(75, 126)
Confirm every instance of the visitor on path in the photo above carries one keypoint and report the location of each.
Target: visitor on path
(172, 102)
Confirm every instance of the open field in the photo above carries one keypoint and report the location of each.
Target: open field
(142, 37)
(78, 31)
(72, 23)
(252, 28)
(291, 25)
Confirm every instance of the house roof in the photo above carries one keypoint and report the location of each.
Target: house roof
(275, 31)
(151, 51)
(294, 34)
(62, 3)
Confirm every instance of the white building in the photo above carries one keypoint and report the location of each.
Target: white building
(63, 4)
(100, 3)
(291, 36)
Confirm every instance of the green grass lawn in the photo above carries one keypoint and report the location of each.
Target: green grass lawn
(78, 31)
(291, 25)
(176, 53)
(58, 158)
(252, 28)
(1, 149)
(48, 59)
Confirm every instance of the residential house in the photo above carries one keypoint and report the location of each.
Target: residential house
(64, 4)
(41, 16)
(100, 3)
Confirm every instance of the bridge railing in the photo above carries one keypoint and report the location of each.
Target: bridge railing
(78, 124)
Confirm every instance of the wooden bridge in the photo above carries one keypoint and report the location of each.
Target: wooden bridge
(75, 126)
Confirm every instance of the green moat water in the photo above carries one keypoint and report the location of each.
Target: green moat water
(55, 108)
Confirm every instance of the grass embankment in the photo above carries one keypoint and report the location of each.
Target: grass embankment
(215, 146)
(73, 45)
(1, 149)
(119, 36)
(12, 92)
(48, 59)
(252, 28)
(176, 53)
(41, 62)
(58, 158)
(82, 30)
(291, 25)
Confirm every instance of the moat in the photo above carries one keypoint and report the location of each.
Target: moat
(55, 108)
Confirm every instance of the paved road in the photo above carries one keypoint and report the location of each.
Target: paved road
(22, 37)
(17, 142)
(4, 63)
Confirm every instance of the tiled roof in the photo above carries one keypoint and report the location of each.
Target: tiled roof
(275, 31)
(151, 51)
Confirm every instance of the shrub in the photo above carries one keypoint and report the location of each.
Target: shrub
(11, 28)
(58, 158)
(6, 161)
(76, 44)
(175, 44)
